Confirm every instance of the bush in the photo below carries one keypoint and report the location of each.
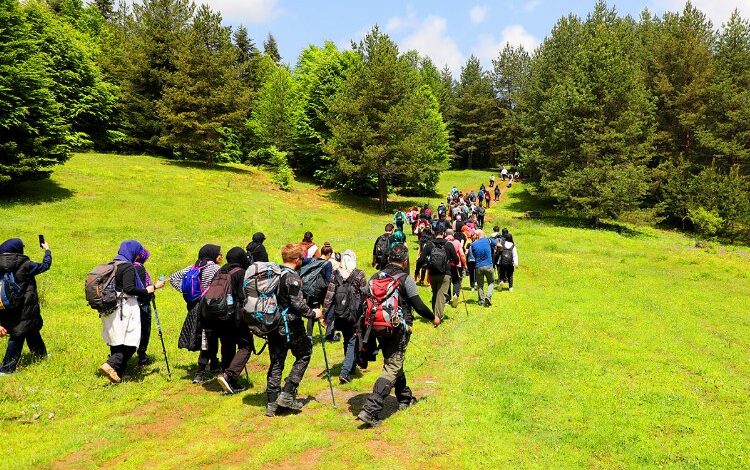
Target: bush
(276, 160)
(706, 222)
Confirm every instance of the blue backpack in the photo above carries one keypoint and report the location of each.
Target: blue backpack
(191, 284)
(10, 292)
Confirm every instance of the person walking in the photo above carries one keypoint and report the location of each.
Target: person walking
(438, 254)
(121, 329)
(482, 249)
(457, 270)
(144, 303)
(256, 251)
(508, 259)
(310, 249)
(381, 247)
(393, 345)
(294, 338)
(497, 193)
(22, 324)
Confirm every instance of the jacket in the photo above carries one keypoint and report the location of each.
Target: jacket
(482, 251)
(427, 250)
(28, 318)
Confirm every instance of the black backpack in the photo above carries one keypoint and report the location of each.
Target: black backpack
(480, 211)
(217, 302)
(382, 246)
(506, 255)
(347, 297)
(439, 261)
(314, 284)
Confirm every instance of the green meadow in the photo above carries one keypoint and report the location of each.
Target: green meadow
(621, 347)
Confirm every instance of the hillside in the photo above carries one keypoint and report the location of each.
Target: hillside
(620, 347)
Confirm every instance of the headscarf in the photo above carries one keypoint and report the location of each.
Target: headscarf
(348, 264)
(14, 245)
(238, 256)
(258, 237)
(128, 252)
(208, 253)
(142, 257)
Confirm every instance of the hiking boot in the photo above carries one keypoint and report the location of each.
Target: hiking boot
(229, 384)
(487, 303)
(454, 301)
(271, 409)
(289, 401)
(368, 419)
(145, 361)
(405, 405)
(110, 373)
(345, 379)
(200, 377)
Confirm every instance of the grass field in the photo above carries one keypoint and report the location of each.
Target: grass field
(623, 347)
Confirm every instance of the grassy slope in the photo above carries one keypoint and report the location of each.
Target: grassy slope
(616, 349)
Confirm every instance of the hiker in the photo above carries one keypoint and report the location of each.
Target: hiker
(487, 199)
(121, 329)
(381, 247)
(427, 211)
(398, 237)
(471, 263)
(482, 249)
(507, 259)
(497, 193)
(398, 219)
(492, 181)
(392, 339)
(413, 217)
(457, 269)
(293, 337)
(310, 249)
(480, 197)
(503, 173)
(192, 282)
(341, 309)
(480, 215)
(22, 321)
(438, 254)
(421, 267)
(256, 251)
(237, 263)
(144, 303)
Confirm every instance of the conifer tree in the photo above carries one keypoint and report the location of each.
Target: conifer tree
(271, 48)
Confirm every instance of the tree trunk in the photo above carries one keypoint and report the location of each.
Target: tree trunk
(470, 161)
(383, 192)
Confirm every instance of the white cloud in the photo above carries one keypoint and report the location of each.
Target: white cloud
(718, 11)
(531, 5)
(430, 39)
(247, 11)
(488, 47)
(478, 14)
(401, 22)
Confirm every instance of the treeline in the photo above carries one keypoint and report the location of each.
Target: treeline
(609, 115)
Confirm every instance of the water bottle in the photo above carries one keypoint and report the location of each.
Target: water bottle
(230, 300)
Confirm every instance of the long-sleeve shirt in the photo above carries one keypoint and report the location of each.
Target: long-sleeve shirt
(427, 250)
(207, 275)
(409, 295)
(125, 281)
(39, 268)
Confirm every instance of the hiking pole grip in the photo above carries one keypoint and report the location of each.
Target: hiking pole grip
(161, 336)
(325, 357)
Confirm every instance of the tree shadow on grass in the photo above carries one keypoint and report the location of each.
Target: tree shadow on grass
(368, 205)
(34, 192)
(524, 202)
(191, 164)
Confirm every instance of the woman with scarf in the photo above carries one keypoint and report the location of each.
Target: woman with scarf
(209, 263)
(24, 324)
(341, 308)
(121, 329)
(256, 251)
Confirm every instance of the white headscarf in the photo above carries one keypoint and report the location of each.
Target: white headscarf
(348, 263)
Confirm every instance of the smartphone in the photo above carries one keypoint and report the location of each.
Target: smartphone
(41, 240)
(162, 277)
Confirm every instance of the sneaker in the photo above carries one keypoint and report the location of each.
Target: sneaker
(473, 289)
(368, 419)
(510, 289)
(487, 303)
(454, 301)
(345, 379)
(271, 409)
(405, 405)
(226, 383)
(289, 401)
(200, 377)
(110, 373)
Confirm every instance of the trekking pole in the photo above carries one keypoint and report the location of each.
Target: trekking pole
(161, 336)
(325, 356)
(465, 306)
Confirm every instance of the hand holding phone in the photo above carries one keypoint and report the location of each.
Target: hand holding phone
(160, 283)
(43, 243)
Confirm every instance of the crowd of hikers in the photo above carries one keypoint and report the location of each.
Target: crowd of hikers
(231, 300)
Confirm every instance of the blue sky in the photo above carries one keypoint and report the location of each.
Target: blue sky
(447, 31)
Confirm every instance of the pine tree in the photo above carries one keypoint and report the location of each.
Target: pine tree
(276, 112)
(509, 74)
(204, 94)
(386, 129)
(271, 49)
(106, 8)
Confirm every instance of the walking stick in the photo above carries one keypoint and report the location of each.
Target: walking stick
(325, 356)
(465, 306)
(161, 336)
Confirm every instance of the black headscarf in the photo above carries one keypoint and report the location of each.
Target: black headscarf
(258, 237)
(208, 253)
(238, 256)
(14, 245)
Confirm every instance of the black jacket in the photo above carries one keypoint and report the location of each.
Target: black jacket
(28, 318)
(290, 296)
(256, 251)
(447, 246)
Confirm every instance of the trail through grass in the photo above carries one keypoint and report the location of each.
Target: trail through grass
(620, 347)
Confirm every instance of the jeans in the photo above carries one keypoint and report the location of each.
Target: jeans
(15, 347)
(440, 283)
(350, 347)
(485, 273)
(145, 330)
(471, 267)
(119, 357)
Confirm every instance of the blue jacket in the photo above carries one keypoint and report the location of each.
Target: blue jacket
(482, 250)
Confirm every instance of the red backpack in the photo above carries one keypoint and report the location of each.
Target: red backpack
(382, 305)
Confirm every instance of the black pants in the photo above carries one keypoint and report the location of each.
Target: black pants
(15, 346)
(506, 274)
(471, 266)
(223, 331)
(245, 348)
(119, 357)
(145, 330)
(456, 278)
(420, 272)
(392, 377)
(480, 221)
(278, 347)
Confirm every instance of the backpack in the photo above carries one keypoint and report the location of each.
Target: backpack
(506, 255)
(480, 211)
(217, 301)
(382, 245)
(347, 298)
(261, 311)
(441, 211)
(382, 306)
(11, 292)
(398, 219)
(100, 288)
(439, 261)
(314, 284)
(191, 284)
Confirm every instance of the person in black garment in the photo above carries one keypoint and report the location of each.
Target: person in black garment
(256, 251)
